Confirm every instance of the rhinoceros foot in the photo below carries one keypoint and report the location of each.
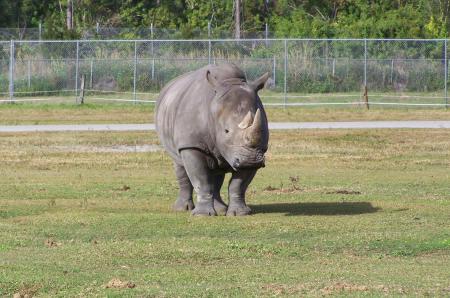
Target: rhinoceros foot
(238, 210)
(183, 205)
(204, 210)
(220, 206)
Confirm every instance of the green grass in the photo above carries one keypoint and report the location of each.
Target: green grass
(100, 112)
(347, 213)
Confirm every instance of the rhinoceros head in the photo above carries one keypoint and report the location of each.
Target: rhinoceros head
(240, 122)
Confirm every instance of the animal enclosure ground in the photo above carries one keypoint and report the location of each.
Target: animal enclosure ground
(101, 112)
(342, 212)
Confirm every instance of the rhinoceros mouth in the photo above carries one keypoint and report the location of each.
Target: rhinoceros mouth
(247, 159)
(237, 165)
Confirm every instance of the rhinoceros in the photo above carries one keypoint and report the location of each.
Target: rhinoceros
(211, 121)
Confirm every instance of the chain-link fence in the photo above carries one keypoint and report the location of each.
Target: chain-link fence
(105, 33)
(302, 71)
(168, 34)
(7, 34)
(5, 72)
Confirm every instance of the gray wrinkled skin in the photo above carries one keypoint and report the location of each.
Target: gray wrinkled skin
(211, 121)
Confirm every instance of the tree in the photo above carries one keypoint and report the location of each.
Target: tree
(237, 19)
(286, 18)
(69, 12)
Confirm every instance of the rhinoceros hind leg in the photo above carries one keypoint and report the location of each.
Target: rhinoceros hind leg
(219, 204)
(184, 201)
(236, 190)
(203, 181)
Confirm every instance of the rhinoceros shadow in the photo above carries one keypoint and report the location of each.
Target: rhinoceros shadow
(325, 208)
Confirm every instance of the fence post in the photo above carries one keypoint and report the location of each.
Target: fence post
(153, 68)
(134, 71)
(333, 69)
(366, 97)
(274, 71)
(267, 33)
(81, 98)
(392, 71)
(209, 30)
(365, 61)
(151, 37)
(152, 51)
(77, 60)
(445, 73)
(11, 70)
(29, 72)
(209, 51)
(285, 72)
(40, 30)
(91, 78)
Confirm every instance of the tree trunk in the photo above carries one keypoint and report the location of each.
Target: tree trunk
(237, 19)
(69, 11)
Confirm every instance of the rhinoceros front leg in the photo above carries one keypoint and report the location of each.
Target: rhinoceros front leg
(184, 201)
(219, 204)
(236, 191)
(202, 180)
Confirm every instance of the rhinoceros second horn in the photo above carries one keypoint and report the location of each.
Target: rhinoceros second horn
(247, 121)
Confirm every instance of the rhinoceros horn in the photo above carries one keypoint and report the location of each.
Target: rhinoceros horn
(253, 133)
(247, 121)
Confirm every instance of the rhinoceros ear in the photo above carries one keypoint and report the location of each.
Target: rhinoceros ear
(259, 83)
(212, 80)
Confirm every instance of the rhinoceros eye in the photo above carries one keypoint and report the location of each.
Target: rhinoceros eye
(227, 131)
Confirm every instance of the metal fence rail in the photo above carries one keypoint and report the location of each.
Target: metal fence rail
(365, 72)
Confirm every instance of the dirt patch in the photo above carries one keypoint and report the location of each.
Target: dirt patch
(292, 189)
(282, 289)
(270, 188)
(294, 179)
(108, 149)
(344, 192)
(116, 283)
(341, 287)
(123, 188)
(51, 243)
(334, 289)
(27, 291)
(20, 295)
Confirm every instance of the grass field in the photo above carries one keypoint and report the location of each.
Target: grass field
(339, 212)
(101, 112)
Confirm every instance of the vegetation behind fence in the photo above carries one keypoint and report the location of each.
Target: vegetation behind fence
(303, 71)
